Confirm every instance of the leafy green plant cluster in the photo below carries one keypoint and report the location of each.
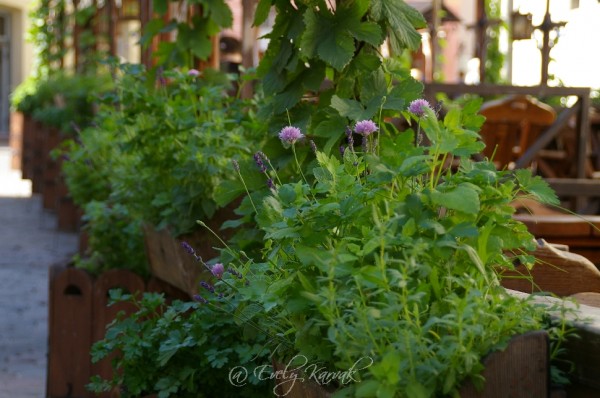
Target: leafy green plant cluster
(391, 253)
(324, 64)
(193, 40)
(156, 155)
(182, 349)
(62, 100)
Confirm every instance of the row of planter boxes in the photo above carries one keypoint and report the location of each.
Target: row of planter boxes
(32, 144)
(78, 303)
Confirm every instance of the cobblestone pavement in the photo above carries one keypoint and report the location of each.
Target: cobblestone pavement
(29, 245)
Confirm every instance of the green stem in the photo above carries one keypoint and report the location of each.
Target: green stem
(247, 191)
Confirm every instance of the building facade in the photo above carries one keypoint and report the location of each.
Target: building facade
(16, 54)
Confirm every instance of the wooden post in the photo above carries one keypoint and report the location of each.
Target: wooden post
(70, 332)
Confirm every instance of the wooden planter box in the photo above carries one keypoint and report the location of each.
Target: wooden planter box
(78, 316)
(170, 262)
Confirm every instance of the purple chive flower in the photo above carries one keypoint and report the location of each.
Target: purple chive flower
(290, 134)
(207, 286)
(218, 270)
(200, 299)
(313, 146)
(236, 165)
(365, 127)
(258, 159)
(193, 72)
(418, 106)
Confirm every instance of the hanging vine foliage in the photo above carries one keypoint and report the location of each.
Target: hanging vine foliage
(48, 33)
(201, 20)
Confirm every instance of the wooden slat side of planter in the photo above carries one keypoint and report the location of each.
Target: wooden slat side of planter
(27, 150)
(16, 140)
(70, 333)
(50, 172)
(156, 285)
(168, 260)
(288, 387)
(522, 370)
(129, 282)
(37, 169)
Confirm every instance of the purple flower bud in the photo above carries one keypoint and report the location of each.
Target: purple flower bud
(236, 165)
(193, 72)
(270, 184)
(207, 286)
(418, 106)
(218, 270)
(342, 150)
(200, 299)
(349, 137)
(365, 127)
(188, 248)
(290, 134)
(235, 273)
(258, 159)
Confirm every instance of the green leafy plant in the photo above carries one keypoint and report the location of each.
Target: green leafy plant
(324, 64)
(194, 36)
(157, 152)
(391, 253)
(178, 350)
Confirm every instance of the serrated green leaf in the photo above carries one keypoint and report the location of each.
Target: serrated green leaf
(336, 49)
(369, 32)
(463, 198)
(403, 23)
(536, 186)
(220, 13)
(349, 108)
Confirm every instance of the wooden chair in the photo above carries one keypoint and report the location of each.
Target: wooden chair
(556, 271)
(512, 125)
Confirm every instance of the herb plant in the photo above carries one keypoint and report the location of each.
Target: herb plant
(156, 154)
(181, 350)
(390, 252)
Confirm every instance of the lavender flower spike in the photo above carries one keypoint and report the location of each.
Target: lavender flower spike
(207, 286)
(200, 299)
(235, 272)
(289, 135)
(258, 159)
(188, 248)
(217, 270)
(365, 127)
(418, 106)
(236, 165)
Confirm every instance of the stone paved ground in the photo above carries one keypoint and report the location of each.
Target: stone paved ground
(29, 245)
